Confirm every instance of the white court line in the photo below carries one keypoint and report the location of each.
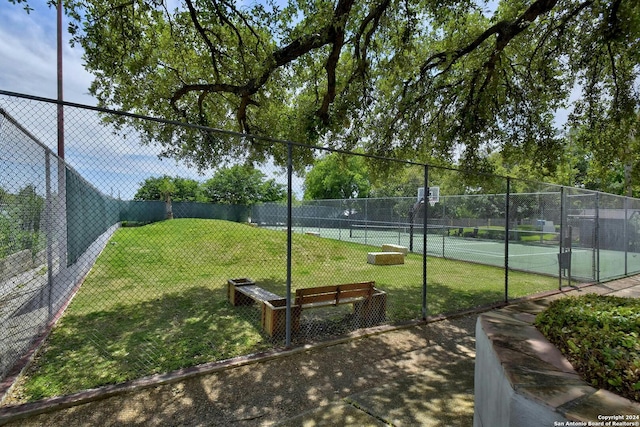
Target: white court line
(501, 255)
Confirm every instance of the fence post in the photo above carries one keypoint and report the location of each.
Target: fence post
(425, 202)
(561, 246)
(506, 243)
(626, 237)
(445, 226)
(366, 222)
(49, 232)
(597, 242)
(289, 222)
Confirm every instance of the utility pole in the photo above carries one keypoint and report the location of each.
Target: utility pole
(60, 85)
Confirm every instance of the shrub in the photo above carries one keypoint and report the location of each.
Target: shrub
(599, 335)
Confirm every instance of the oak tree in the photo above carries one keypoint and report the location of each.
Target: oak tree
(417, 79)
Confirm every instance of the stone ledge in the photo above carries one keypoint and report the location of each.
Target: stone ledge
(522, 379)
(388, 247)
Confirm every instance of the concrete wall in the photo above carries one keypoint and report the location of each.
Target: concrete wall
(496, 402)
(522, 380)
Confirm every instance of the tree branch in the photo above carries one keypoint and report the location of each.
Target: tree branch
(336, 35)
(212, 50)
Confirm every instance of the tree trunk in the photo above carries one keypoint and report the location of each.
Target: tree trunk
(169, 207)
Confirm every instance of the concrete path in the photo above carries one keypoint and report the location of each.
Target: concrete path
(428, 399)
(418, 375)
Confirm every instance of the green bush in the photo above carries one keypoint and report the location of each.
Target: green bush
(600, 336)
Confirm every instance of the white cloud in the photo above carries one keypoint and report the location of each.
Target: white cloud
(29, 66)
(30, 56)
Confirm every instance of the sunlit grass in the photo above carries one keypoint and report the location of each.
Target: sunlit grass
(155, 301)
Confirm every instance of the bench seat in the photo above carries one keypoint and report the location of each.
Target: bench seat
(257, 293)
(369, 303)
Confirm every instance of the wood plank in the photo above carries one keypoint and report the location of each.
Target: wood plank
(317, 290)
(355, 293)
(311, 299)
(334, 294)
(356, 286)
(257, 293)
(335, 288)
(319, 304)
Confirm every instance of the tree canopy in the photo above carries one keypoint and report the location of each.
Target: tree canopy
(242, 185)
(179, 189)
(337, 177)
(239, 185)
(443, 79)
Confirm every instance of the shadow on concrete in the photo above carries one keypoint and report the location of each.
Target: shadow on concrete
(418, 375)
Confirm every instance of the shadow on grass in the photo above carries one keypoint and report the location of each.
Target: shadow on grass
(406, 303)
(417, 376)
(196, 326)
(179, 330)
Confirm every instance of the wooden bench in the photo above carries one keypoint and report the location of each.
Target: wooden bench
(245, 292)
(369, 303)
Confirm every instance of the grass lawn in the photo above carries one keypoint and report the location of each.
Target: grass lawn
(155, 300)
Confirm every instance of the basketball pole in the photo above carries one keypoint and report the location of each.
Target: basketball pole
(424, 243)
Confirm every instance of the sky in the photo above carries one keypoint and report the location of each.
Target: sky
(28, 65)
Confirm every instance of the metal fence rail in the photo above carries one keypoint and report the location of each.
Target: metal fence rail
(140, 295)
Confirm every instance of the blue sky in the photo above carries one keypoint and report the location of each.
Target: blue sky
(28, 65)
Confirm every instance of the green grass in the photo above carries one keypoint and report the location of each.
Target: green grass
(155, 300)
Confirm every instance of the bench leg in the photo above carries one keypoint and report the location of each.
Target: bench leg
(370, 312)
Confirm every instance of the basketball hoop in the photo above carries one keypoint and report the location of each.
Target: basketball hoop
(433, 197)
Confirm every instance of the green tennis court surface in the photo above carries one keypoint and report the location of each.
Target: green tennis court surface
(537, 257)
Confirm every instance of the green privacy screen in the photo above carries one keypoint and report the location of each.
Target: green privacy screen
(91, 213)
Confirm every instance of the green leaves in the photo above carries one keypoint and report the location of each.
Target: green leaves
(239, 185)
(600, 337)
(394, 78)
(337, 177)
(242, 185)
(180, 189)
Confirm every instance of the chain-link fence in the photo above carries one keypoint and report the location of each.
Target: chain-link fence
(132, 293)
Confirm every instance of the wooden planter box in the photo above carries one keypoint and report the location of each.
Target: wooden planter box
(274, 317)
(371, 311)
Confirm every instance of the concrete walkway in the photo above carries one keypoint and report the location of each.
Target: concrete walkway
(434, 400)
(418, 375)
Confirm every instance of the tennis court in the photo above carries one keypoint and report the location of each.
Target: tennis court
(451, 242)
